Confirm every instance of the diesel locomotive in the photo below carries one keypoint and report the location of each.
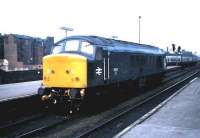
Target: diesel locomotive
(79, 65)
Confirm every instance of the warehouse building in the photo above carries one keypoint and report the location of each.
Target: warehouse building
(24, 52)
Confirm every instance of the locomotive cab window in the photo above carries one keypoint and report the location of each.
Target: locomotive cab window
(74, 46)
(57, 49)
(87, 48)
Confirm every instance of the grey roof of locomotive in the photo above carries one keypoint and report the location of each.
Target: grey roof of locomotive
(118, 45)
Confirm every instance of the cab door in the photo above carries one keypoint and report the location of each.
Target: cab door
(101, 67)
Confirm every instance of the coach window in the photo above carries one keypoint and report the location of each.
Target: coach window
(99, 53)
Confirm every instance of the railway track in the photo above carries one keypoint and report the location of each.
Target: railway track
(35, 125)
(90, 132)
(176, 73)
(20, 121)
(19, 110)
(52, 121)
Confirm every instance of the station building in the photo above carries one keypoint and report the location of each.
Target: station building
(22, 52)
(1, 46)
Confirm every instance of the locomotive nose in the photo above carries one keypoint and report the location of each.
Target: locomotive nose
(65, 71)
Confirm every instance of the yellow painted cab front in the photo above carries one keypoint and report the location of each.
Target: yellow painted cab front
(65, 71)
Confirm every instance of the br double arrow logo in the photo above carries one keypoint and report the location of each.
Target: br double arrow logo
(98, 71)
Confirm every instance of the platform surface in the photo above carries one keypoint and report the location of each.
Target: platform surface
(179, 118)
(172, 67)
(18, 90)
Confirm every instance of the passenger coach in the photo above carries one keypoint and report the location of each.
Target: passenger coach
(181, 59)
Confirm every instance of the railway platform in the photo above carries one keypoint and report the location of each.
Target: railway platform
(177, 117)
(25, 89)
(18, 90)
(172, 67)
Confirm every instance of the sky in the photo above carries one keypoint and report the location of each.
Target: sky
(163, 22)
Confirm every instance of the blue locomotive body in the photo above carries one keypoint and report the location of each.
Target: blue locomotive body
(115, 61)
(80, 65)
